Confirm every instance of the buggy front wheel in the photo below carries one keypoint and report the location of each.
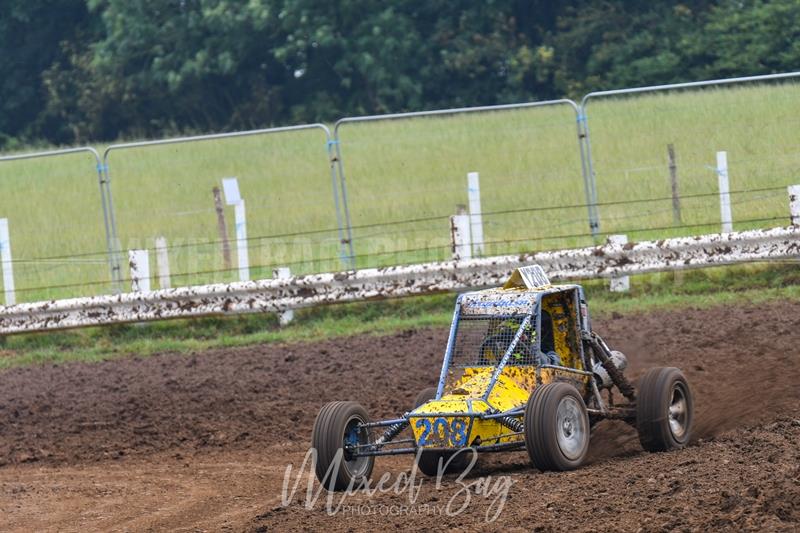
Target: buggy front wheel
(337, 431)
(556, 427)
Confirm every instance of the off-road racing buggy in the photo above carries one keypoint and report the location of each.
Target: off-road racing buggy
(522, 370)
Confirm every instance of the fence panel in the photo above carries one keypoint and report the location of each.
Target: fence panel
(164, 189)
(631, 131)
(405, 175)
(53, 203)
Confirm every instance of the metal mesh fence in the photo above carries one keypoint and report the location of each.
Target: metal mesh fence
(55, 219)
(416, 167)
(284, 178)
(643, 143)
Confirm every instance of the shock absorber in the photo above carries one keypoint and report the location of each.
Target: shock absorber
(392, 432)
(603, 352)
(511, 423)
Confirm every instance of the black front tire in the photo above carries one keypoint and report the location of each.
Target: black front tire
(337, 425)
(556, 427)
(664, 410)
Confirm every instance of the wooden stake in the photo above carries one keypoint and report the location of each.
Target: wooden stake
(673, 176)
(222, 228)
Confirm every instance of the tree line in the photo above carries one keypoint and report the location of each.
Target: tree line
(79, 71)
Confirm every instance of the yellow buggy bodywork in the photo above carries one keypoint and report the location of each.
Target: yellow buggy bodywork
(463, 415)
(511, 391)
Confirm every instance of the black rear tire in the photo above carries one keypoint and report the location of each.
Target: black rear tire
(664, 410)
(556, 427)
(429, 462)
(424, 396)
(337, 424)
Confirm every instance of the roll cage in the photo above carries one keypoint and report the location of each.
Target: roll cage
(527, 315)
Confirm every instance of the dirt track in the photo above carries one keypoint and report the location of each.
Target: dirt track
(202, 441)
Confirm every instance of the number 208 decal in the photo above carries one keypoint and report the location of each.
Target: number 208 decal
(440, 432)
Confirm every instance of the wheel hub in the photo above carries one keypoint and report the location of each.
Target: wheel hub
(678, 413)
(354, 436)
(571, 431)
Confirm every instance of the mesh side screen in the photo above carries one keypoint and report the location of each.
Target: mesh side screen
(482, 341)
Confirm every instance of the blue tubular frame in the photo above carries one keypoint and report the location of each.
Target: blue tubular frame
(448, 354)
(384, 423)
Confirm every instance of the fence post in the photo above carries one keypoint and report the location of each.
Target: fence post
(162, 262)
(794, 204)
(724, 192)
(476, 219)
(673, 177)
(222, 229)
(347, 246)
(139, 261)
(621, 283)
(241, 242)
(460, 235)
(233, 197)
(110, 218)
(284, 273)
(7, 264)
(346, 251)
(587, 168)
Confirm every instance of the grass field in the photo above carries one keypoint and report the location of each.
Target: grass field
(402, 170)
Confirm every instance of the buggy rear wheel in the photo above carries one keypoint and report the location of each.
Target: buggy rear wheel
(664, 410)
(336, 431)
(430, 463)
(556, 427)
(424, 396)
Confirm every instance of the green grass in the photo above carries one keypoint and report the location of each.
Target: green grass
(403, 170)
(739, 285)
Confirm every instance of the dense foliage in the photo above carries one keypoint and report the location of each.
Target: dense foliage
(75, 71)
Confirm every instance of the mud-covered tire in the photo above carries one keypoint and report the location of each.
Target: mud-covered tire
(664, 410)
(556, 427)
(428, 462)
(335, 425)
(425, 395)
